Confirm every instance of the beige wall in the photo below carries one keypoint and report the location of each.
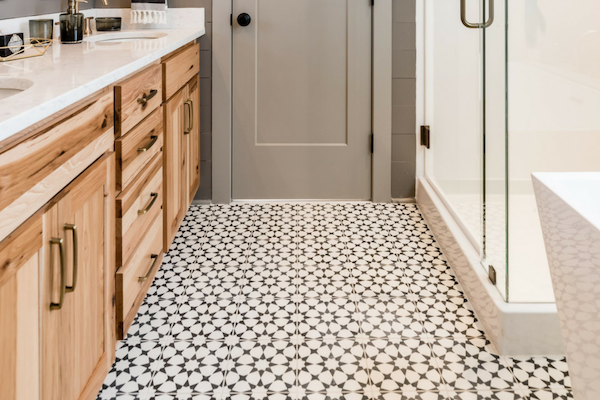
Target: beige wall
(24, 8)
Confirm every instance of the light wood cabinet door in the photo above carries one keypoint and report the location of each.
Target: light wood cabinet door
(20, 312)
(175, 161)
(78, 286)
(193, 139)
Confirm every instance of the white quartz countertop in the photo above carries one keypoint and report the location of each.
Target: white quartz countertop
(69, 73)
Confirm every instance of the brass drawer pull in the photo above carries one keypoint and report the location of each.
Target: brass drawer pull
(145, 211)
(73, 228)
(63, 272)
(147, 97)
(190, 105)
(143, 149)
(145, 278)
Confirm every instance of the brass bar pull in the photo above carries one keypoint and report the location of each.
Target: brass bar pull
(145, 210)
(63, 272)
(147, 97)
(145, 278)
(143, 149)
(73, 228)
(187, 130)
(191, 114)
(463, 16)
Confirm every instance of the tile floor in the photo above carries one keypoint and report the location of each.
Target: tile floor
(314, 301)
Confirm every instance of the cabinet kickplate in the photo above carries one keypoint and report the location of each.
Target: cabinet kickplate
(492, 274)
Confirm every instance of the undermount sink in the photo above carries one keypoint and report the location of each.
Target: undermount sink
(121, 37)
(11, 86)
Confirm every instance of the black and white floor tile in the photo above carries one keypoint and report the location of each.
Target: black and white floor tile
(315, 301)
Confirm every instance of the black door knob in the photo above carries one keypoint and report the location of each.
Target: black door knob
(244, 19)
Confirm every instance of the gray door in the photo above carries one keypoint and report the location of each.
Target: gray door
(302, 99)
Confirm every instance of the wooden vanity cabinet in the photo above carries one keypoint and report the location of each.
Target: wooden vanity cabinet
(181, 156)
(77, 288)
(21, 259)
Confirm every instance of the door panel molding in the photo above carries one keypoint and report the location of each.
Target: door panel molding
(222, 101)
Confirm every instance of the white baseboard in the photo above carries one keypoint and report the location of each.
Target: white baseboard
(410, 200)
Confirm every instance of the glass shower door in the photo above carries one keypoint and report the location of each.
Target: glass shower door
(458, 35)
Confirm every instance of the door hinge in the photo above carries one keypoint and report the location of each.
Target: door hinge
(372, 143)
(492, 274)
(425, 136)
(231, 19)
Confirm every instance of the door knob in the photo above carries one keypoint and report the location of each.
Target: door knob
(244, 19)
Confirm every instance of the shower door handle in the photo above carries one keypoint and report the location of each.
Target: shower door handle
(463, 16)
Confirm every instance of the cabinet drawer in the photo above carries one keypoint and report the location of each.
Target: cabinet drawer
(136, 98)
(134, 279)
(33, 171)
(138, 147)
(180, 68)
(137, 207)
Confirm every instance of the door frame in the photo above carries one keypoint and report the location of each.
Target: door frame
(222, 101)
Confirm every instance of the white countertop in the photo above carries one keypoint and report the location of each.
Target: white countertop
(68, 73)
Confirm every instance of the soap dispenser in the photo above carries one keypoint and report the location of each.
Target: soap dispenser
(71, 23)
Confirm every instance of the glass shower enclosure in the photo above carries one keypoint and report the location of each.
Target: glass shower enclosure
(511, 87)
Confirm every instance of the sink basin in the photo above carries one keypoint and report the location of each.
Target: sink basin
(569, 211)
(11, 86)
(121, 37)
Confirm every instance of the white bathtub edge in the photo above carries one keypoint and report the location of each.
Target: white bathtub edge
(513, 328)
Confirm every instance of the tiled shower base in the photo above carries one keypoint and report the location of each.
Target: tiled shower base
(314, 301)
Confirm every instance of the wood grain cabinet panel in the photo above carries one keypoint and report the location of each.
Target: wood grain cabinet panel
(193, 139)
(20, 312)
(179, 68)
(138, 147)
(76, 303)
(137, 208)
(36, 169)
(134, 278)
(175, 165)
(181, 154)
(136, 98)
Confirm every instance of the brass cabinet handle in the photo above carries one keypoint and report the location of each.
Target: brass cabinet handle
(190, 105)
(63, 272)
(145, 210)
(143, 149)
(73, 228)
(147, 97)
(145, 278)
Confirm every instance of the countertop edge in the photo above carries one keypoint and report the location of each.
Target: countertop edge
(24, 120)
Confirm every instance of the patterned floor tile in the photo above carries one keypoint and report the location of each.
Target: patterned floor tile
(412, 395)
(327, 317)
(331, 365)
(266, 318)
(270, 280)
(314, 301)
(400, 364)
(471, 364)
(484, 395)
(260, 368)
(153, 320)
(191, 367)
(395, 316)
(541, 372)
(133, 369)
(211, 317)
(318, 279)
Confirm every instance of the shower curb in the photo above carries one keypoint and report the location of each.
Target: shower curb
(515, 329)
